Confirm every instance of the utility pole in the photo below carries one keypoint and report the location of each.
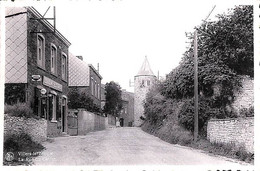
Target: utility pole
(196, 106)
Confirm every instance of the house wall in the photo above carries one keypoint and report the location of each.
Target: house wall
(16, 46)
(95, 76)
(238, 131)
(37, 129)
(21, 61)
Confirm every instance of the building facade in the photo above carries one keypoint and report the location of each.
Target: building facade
(85, 77)
(36, 66)
(127, 113)
(142, 83)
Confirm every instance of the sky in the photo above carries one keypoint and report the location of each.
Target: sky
(118, 34)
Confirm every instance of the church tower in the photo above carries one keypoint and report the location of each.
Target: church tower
(142, 83)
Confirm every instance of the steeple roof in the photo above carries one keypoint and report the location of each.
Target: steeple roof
(145, 69)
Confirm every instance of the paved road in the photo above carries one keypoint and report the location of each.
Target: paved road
(122, 146)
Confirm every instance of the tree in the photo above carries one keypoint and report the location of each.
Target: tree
(79, 99)
(225, 51)
(114, 101)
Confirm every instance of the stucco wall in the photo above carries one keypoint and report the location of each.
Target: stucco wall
(37, 129)
(88, 122)
(238, 131)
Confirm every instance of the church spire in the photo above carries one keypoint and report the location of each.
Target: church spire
(145, 69)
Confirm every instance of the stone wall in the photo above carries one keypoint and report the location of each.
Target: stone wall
(37, 129)
(139, 96)
(244, 98)
(239, 131)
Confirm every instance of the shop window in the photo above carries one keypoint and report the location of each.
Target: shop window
(53, 108)
(40, 51)
(53, 59)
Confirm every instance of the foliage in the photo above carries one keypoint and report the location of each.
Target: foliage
(223, 47)
(247, 112)
(14, 93)
(21, 143)
(114, 101)
(206, 111)
(79, 99)
(156, 106)
(19, 110)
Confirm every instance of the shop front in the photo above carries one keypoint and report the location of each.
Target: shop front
(51, 104)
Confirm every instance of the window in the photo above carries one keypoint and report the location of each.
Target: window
(64, 66)
(54, 108)
(40, 51)
(148, 82)
(98, 94)
(95, 88)
(92, 86)
(53, 59)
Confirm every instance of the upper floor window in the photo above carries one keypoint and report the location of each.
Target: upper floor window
(98, 93)
(95, 88)
(148, 82)
(53, 59)
(40, 51)
(92, 86)
(64, 66)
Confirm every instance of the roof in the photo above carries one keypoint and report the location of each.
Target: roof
(78, 71)
(145, 70)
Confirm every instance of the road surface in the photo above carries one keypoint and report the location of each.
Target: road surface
(122, 146)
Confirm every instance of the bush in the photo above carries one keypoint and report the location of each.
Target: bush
(205, 112)
(19, 110)
(79, 99)
(21, 143)
(247, 112)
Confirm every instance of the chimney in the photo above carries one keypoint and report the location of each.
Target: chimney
(80, 57)
(97, 67)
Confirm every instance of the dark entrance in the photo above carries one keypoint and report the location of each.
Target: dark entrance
(63, 114)
(121, 122)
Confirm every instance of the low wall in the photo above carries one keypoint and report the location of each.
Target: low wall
(37, 129)
(238, 131)
(88, 121)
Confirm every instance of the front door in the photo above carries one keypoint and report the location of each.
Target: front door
(63, 115)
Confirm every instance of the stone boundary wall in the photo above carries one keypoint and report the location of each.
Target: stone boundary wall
(37, 129)
(244, 98)
(239, 131)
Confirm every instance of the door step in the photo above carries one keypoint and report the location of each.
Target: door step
(64, 134)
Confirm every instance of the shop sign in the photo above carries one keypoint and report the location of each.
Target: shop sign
(52, 84)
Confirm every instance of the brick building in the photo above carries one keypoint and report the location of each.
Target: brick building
(36, 66)
(85, 77)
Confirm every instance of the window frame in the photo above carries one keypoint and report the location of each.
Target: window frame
(54, 63)
(64, 75)
(41, 62)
